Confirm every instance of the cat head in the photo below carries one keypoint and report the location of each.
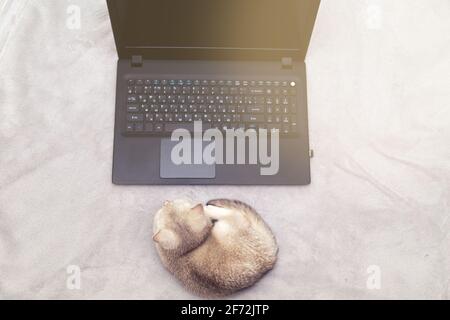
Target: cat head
(181, 226)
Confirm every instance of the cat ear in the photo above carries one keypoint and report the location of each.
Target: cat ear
(197, 209)
(167, 239)
(167, 203)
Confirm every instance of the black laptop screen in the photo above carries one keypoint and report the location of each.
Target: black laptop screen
(219, 24)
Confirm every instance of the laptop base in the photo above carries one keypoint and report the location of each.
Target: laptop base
(137, 160)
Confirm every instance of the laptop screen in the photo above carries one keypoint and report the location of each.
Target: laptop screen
(210, 24)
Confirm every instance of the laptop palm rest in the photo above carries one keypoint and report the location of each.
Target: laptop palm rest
(170, 170)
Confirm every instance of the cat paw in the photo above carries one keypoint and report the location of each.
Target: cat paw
(221, 203)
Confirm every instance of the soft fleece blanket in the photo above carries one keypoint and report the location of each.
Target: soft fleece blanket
(373, 224)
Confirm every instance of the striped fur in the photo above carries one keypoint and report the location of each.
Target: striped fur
(230, 249)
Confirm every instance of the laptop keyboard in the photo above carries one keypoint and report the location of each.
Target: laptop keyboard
(159, 106)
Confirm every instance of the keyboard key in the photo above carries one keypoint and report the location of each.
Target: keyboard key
(217, 118)
(294, 127)
(293, 108)
(253, 118)
(165, 108)
(255, 110)
(149, 117)
(133, 108)
(207, 118)
(169, 117)
(188, 117)
(159, 117)
(227, 118)
(159, 127)
(257, 91)
(186, 90)
(130, 127)
(138, 90)
(286, 119)
(286, 129)
(273, 127)
(139, 127)
(135, 117)
(148, 127)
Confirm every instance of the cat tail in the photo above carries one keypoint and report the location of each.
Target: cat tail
(214, 285)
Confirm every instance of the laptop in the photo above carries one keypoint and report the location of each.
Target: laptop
(211, 92)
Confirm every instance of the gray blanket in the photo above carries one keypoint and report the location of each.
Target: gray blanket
(374, 223)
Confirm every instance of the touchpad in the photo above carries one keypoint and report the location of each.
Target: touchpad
(171, 154)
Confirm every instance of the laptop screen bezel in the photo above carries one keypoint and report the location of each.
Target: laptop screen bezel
(205, 53)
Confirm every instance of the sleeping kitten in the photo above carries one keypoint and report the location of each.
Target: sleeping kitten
(214, 250)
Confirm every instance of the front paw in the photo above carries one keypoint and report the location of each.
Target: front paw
(220, 203)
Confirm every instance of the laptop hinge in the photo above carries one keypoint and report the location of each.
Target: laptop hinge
(286, 63)
(136, 61)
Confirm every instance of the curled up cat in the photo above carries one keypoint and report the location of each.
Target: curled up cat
(214, 250)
